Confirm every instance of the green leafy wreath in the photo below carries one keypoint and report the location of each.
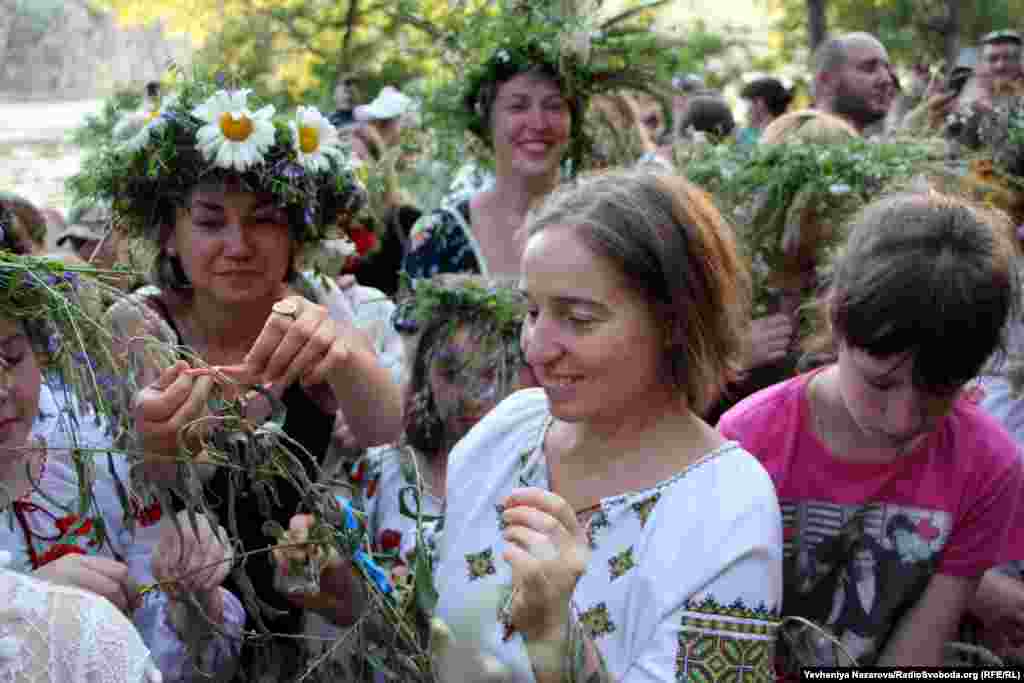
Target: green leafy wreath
(768, 190)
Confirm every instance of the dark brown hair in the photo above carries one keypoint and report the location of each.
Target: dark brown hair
(775, 95)
(482, 101)
(925, 273)
(29, 222)
(667, 239)
(708, 114)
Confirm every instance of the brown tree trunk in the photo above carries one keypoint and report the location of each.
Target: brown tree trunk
(350, 28)
(951, 39)
(817, 27)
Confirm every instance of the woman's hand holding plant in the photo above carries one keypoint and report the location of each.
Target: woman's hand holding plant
(548, 552)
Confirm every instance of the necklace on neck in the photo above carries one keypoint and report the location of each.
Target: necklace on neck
(37, 468)
(839, 441)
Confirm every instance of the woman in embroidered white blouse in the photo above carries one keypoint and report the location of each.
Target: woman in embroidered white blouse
(596, 527)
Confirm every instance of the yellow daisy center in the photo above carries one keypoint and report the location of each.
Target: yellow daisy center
(152, 115)
(309, 139)
(236, 130)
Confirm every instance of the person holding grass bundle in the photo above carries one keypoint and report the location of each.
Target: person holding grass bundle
(238, 203)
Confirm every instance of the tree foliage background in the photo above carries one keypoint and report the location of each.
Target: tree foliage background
(912, 30)
(294, 50)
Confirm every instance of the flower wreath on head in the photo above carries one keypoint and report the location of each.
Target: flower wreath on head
(62, 309)
(458, 298)
(790, 201)
(587, 55)
(495, 310)
(205, 132)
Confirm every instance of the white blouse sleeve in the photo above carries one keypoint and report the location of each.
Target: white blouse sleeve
(64, 635)
(727, 625)
(371, 311)
(374, 311)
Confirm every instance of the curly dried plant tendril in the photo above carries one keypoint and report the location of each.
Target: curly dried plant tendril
(797, 641)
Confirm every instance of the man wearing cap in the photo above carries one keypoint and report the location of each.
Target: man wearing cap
(87, 235)
(853, 79)
(999, 67)
(384, 114)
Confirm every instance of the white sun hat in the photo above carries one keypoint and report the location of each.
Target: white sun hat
(390, 103)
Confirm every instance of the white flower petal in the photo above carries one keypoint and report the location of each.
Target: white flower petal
(208, 133)
(266, 113)
(239, 98)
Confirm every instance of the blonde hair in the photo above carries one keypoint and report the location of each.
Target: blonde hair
(808, 126)
(667, 239)
(619, 134)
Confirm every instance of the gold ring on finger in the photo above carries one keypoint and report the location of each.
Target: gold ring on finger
(288, 309)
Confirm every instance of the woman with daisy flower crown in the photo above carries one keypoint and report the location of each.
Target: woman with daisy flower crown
(237, 202)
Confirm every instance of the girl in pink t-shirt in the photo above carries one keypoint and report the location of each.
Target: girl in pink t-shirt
(897, 495)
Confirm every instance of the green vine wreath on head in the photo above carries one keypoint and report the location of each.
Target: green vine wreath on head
(587, 56)
(205, 132)
(61, 308)
(790, 200)
(460, 299)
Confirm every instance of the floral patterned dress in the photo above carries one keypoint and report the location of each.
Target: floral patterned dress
(389, 497)
(684, 579)
(384, 477)
(443, 242)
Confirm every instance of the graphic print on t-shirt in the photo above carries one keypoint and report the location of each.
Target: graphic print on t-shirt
(854, 570)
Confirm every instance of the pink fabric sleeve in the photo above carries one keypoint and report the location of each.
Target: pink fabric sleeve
(986, 532)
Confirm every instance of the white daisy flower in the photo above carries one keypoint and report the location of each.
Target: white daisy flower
(316, 139)
(233, 136)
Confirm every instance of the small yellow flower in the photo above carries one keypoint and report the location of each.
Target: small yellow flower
(316, 140)
(480, 564)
